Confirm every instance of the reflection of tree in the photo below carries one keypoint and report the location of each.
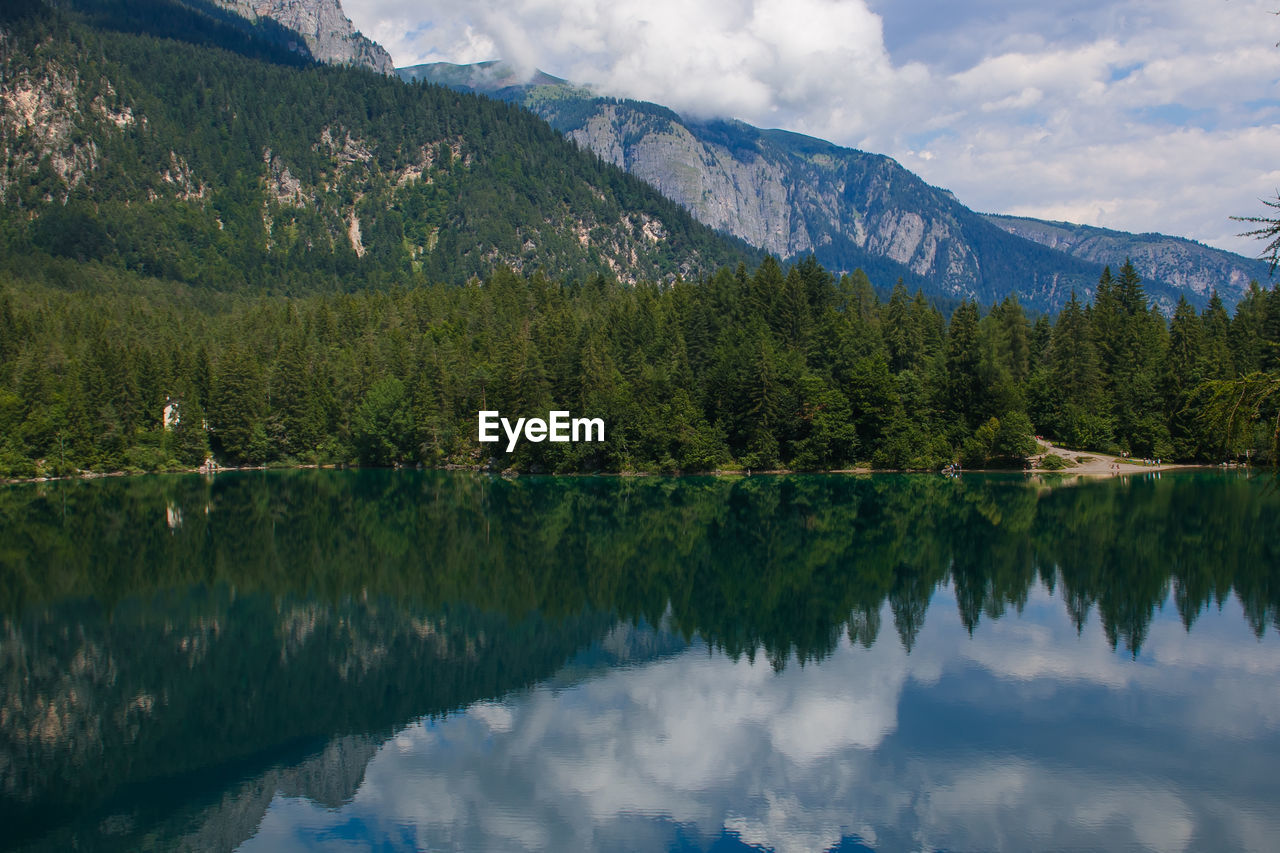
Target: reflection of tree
(772, 563)
(864, 627)
(201, 683)
(127, 655)
(909, 600)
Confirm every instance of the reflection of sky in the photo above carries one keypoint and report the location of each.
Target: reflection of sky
(1024, 736)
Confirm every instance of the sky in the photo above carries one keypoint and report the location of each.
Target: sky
(1140, 115)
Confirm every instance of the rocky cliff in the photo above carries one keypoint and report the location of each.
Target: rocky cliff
(1192, 268)
(328, 32)
(793, 195)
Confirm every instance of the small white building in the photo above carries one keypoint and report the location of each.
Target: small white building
(171, 415)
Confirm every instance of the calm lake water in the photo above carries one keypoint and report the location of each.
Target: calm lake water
(407, 661)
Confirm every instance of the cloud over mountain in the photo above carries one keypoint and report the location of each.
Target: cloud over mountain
(1123, 113)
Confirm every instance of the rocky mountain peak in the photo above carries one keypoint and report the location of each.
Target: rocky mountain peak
(328, 32)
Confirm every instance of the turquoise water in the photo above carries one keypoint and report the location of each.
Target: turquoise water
(406, 660)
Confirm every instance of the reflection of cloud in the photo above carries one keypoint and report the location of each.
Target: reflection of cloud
(497, 717)
(1155, 820)
(856, 745)
(1224, 656)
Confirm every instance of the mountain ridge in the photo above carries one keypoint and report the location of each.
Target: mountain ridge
(792, 194)
(1180, 261)
(155, 152)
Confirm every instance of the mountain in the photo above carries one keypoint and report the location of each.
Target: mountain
(328, 32)
(1192, 268)
(793, 195)
(177, 140)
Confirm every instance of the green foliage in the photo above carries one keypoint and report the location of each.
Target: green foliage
(381, 426)
(765, 369)
(237, 409)
(1233, 409)
(999, 443)
(1269, 230)
(188, 441)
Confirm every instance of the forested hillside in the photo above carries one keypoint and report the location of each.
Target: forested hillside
(754, 369)
(185, 159)
(323, 265)
(794, 195)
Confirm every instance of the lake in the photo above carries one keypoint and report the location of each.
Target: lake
(401, 660)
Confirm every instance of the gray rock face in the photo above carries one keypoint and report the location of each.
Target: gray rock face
(328, 32)
(1192, 268)
(793, 195)
(745, 197)
(789, 194)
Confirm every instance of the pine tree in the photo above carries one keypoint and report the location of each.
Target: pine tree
(1130, 336)
(765, 290)
(1216, 332)
(1015, 338)
(963, 361)
(1041, 334)
(1246, 330)
(1183, 374)
(294, 401)
(927, 330)
(381, 426)
(1269, 359)
(237, 406)
(865, 300)
(898, 337)
(1071, 385)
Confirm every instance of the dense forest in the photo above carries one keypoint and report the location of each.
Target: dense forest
(746, 369)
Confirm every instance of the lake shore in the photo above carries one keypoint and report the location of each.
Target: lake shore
(1092, 463)
(1085, 463)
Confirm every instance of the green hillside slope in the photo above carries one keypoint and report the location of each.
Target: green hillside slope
(181, 157)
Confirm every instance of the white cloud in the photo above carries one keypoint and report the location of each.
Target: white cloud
(1143, 115)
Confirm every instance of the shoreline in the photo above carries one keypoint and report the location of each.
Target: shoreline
(1090, 463)
(1087, 464)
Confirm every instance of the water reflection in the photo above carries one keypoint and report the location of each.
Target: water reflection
(181, 656)
(1023, 737)
(780, 565)
(134, 722)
